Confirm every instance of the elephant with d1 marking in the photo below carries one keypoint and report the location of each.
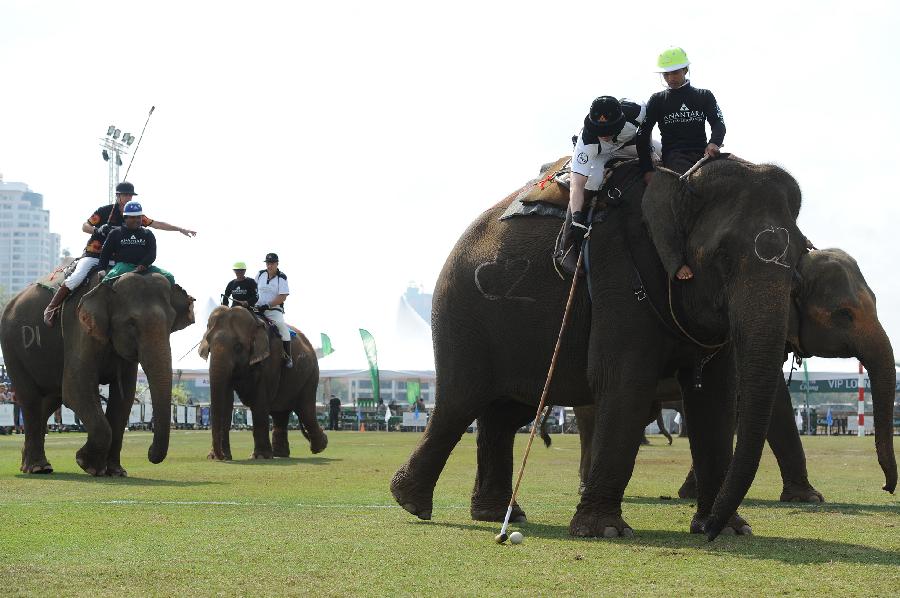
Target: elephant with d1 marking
(737, 222)
(246, 358)
(106, 330)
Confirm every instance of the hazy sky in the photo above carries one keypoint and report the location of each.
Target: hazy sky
(358, 139)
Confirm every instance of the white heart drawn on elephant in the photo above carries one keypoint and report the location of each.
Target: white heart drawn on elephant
(497, 279)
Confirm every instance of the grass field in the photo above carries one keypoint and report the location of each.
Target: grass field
(327, 525)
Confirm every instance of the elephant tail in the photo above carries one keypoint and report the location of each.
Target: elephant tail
(545, 436)
(303, 429)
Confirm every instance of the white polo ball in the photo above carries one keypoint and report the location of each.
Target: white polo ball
(516, 538)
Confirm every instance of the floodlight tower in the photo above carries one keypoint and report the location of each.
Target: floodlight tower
(113, 150)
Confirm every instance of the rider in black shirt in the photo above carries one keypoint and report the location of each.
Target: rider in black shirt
(682, 112)
(241, 290)
(132, 246)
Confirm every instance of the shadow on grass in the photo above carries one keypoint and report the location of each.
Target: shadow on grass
(794, 507)
(129, 481)
(792, 551)
(281, 461)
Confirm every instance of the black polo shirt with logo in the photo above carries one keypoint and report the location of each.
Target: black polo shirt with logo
(136, 247)
(682, 115)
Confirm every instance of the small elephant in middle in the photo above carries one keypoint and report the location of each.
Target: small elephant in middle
(245, 357)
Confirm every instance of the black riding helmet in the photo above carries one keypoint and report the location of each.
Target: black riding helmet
(605, 118)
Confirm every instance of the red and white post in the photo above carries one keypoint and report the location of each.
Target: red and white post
(861, 403)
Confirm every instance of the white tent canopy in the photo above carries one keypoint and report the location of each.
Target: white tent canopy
(402, 339)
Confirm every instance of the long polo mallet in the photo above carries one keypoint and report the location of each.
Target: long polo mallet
(693, 168)
(502, 537)
(138, 145)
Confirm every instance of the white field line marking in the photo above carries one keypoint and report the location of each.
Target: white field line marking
(228, 503)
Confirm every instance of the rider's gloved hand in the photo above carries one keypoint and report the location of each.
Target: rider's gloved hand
(579, 225)
(262, 308)
(103, 229)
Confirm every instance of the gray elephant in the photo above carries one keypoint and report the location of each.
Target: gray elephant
(833, 315)
(497, 308)
(246, 358)
(106, 331)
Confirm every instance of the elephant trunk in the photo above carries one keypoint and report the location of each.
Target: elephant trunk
(759, 322)
(878, 359)
(157, 366)
(221, 400)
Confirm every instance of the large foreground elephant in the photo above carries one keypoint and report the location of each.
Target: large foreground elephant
(106, 330)
(246, 358)
(833, 315)
(497, 308)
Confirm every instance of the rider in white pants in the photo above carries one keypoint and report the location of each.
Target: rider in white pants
(272, 286)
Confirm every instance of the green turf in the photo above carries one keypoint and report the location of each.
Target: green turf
(327, 525)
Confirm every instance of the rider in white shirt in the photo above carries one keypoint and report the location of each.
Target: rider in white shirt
(272, 286)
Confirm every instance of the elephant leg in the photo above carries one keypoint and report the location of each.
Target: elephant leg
(711, 411)
(413, 484)
(619, 420)
(262, 446)
(309, 423)
(689, 487)
(35, 411)
(784, 441)
(497, 428)
(585, 418)
(80, 393)
(280, 445)
(121, 398)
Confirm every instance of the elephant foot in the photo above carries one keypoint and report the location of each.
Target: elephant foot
(91, 465)
(318, 444)
(408, 496)
(266, 454)
(283, 453)
(37, 466)
(591, 524)
(116, 471)
(689, 488)
(735, 526)
(801, 493)
(214, 456)
(490, 511)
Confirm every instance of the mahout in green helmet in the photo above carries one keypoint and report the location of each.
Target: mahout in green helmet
(672, 60)
(239, 266)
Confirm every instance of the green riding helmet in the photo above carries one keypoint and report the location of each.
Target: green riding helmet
(239, 266)
(672, 60)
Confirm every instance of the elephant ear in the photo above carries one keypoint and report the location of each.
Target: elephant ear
(183, 304)
(665, 213)
(260, 349)
(210, 324)
(93, 311)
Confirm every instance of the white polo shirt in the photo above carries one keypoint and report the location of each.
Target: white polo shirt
(589, 159)
(269, 289)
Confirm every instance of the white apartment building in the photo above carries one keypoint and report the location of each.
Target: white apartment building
(28, 250)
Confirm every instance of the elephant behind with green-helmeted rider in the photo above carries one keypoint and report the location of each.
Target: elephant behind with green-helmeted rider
(244, 357)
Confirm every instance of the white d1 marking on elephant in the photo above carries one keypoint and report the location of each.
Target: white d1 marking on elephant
(31, 335)
(505, 269)
(773, 230)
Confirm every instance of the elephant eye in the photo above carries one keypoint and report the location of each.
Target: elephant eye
(842, 316)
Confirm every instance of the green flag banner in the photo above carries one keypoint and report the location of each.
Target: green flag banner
(327, 349)
(413, 390)
(372, 355)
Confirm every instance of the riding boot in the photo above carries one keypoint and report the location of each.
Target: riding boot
(569, 242)
(55, 303)
(288, 362)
